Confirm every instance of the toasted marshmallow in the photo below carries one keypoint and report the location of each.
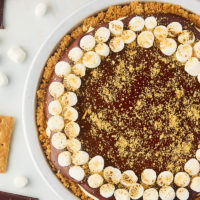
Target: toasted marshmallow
(75, 54)
(62, 68)
(128, 36)
(112, 175)
(136, 191)
(41, 9)
(198, 154)
(167, 193)
(165, 178)
(182, 179)
(102, 34)
(150, 22)
(56, 89)
(69, 99)
(116, 27)
(95, 180)
(55, 123)
(102, 49)
(59, 140)
(79, 70)
(70, 114)
(16, 54)
(183, 53)
(96, 164)
(91, 59)
(192, 66)
(186, 37)
(107, 190)
(174, 29)
(48, 131)
(168, 46)
(128, 178)
(197, 49)
(87, 42)
(54, 107)
(121, 194)
(116, 44)
(72, 129)
(182, 194)
(3, 79)
(161, 32)
(198, 78)
(64, 159)
(148, 176)
(136, 23)
(195, 184)
(80, 158)
(145, 39)
(77, 173)
(73, 145)
(72, 82)
(192, 167)
(150, 194)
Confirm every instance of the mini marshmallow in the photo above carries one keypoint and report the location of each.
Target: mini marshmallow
(102, 49)
(75, 54)
(56, 89)
(161, 32)
(20, 181)
(64, 158)
(96, 164)
(62, 68)
(3, 79)
(150, 22)
(186, 37)
(136, 23)
(41, 9)
(182, 179)
(121, 194)
(102, 34)
(48, 131)
(72, 129)
(95, 180)
(192, 167)
(183, 53)
(197, 49)
(168, 46)
(195, 184)
(150, 194)
(116, 44)
(198, 154)
(112, 175)
(70, 114)
(145, 39)
(69, 99)
(136, 191)
(77, 173)
(87, 42)
(79, 70)
(73, 145)
(174, 29)
(91, 59)
(128, 36)
(107, 190)
(54, 107)
(148, 176)
(192, 66)
(128, 178)
(16, 54)
(55, 123)
(59, 140)
(72, 82)
(167, 193)
(80, 158)
(182, 194)
(116, 27)
(165, 178)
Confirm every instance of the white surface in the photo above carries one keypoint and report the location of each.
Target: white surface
(24, 29)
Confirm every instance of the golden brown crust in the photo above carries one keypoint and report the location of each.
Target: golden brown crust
(111, 13)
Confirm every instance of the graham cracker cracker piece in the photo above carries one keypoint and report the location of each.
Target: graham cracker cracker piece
(6, 128)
